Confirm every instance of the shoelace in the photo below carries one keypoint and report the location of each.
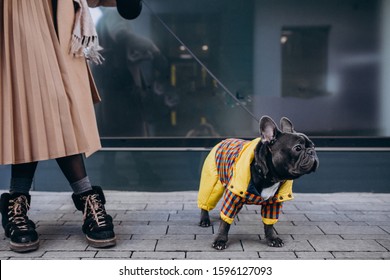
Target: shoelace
(17, 212)
(94, 207)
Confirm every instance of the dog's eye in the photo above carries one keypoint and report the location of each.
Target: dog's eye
(298, 148)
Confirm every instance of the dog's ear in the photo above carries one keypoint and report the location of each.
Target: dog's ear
(268, 129)
(260, 158)
(286, 125)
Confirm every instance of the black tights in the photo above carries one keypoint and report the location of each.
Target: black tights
(72, 166)
(24, 170)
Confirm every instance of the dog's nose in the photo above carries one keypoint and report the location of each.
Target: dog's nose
(311, 152)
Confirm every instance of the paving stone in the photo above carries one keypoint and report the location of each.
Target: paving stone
(315, 206)
(4, 245)
(105, 254)
(134, 223)
(42, 207)
(184, 217)
(165, 206)
(346, 245)
(312, 212)
(63, 245)
(385, 243)
(193, 245)
(131, 245)
(143, 216)
(293, 217)
(278, 255)
(165, 226)
(8, 254)
(72, 217)
(175, 223)
(248, 218)
(369, 218)
(328, 217)
(44, 216)
(118, 237)
(67, 208)
(59, 230)
(54, 236)
(68, 254)
(76, 237)
(141, 229)
(346, 198)
(362, 255)
(125, 206)
(191, 206)
(158, 255)
(53, 223)
(352, 230)
(316, 236)
(315, 255)
(177, 229)
(289, 246)
(351, 223)
(375, 207)
(386, 213)
(310, 223)
(284, 237)
(297, 229)
(378, 223)
(289, 206)
(222, 255)
(165, 236)
(366, 236)
(308, 197)
(256, 218)
(246, 229)
(232, 237)
(386, 228)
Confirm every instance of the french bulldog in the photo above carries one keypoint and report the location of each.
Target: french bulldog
(259, 172)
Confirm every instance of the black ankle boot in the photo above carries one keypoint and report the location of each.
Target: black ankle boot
(17, 226)
(98, 226)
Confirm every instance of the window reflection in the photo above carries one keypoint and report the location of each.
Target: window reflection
(317, 62)
(304, 61)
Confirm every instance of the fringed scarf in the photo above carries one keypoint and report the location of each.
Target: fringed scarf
(84, 38)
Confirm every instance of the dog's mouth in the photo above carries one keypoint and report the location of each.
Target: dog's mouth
(307, 165)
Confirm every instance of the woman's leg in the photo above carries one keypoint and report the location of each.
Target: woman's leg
(14, 207)
(97, 224)
(22, 176)
(74, 170)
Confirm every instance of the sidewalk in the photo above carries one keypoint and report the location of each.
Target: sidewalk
(164, 226)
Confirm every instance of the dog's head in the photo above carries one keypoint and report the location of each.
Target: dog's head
(284, 153)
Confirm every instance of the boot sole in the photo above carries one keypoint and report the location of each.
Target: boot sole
(24, 247)
(101, 243)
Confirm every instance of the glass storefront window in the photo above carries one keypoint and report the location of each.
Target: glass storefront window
(321, 63)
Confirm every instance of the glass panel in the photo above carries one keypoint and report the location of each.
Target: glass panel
(316, 62)
(304, 61)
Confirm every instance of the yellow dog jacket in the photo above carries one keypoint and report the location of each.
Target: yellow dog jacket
(226, 171)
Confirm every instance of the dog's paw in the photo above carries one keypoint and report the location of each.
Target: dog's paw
(205, 223)
(220, 245)
(204, 218)
(275, 242)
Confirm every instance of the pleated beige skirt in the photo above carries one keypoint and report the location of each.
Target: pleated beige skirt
(45, 93)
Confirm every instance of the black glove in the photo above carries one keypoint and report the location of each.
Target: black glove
(129, 9)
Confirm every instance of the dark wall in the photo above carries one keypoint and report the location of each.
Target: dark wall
(180, 171)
